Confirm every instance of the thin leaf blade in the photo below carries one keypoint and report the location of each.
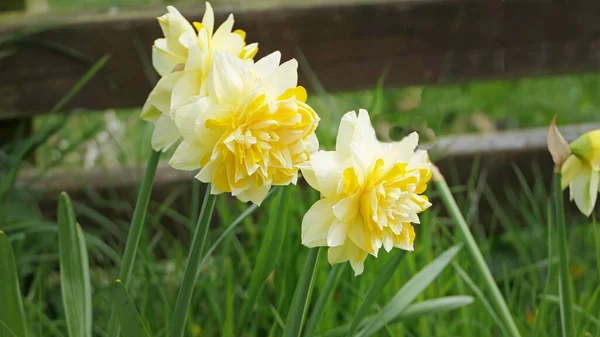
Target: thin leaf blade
(11, 310)
(409, 292)
(74, 271)
(131, 322)
(376, 288)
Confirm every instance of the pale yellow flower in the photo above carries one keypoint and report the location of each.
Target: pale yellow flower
(371, 193)
(580, 171)
(251, 131)
(183, 58)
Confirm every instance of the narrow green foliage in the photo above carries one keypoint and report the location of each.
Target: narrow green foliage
(12, 315)
(333, 279)
(376, 106)
(564, 289)
(376, 289)
(465, 277)
(192, 268)
(293, 327)
(135, 233)
(268, 254)
(131, 322)
(74, 271)
(408, 293)
(414, 311)
(477, 257)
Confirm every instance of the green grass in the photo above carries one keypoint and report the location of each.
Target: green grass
(518, 256)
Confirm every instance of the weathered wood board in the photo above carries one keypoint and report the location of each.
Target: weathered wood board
(348, 45)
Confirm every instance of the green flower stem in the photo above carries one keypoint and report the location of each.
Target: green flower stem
(566, 309)
(496, 299)
(135, 232)
(192, 267)
(293, 327)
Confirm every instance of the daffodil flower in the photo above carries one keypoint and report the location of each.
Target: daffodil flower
(580, 171)
(183, 58)
(371, 192)
(251, 130)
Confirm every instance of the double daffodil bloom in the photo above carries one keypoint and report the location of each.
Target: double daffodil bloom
(251, 130)
(371, 193)
(183, 58)
(580, 171)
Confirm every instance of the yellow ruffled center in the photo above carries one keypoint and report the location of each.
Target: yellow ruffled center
(387, 199)
(262, 143)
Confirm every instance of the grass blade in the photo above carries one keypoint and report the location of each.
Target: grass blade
(132, 324)
(74, 271)
(413, 311)
(465, 277)
(135, 233)
(333, 279)
(267, 255)
(11, 310)
(376, 288)
(184, 297)
(293, 327)
(564, 288)
(409, 292)
(476, 255)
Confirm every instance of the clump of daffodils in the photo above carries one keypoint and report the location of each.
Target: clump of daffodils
(372, 193)
(244, 125)
(579, 165)
(183, 58)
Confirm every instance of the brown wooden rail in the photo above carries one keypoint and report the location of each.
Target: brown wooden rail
(347, 44)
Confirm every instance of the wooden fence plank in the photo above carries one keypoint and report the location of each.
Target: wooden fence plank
(496, 151)
(347, 45)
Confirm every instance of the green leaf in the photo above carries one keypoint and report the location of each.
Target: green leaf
(333, 279)
(293, 327)
(413, 311)
(409, 292)
(465, 277)
(192, 268)
(268, 253)
(132, 324)
(135, 232)
(74, 271)
(376, 106)
(376, 288)
(11, 309)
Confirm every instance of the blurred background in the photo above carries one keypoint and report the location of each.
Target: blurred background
(479, 81)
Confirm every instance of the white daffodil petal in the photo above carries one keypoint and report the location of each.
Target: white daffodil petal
(165, 133)
(186, 157)
(163, 61)
(225, 77)
(324, 171)
(337, 233)
(316, 223)
(187, 86)
(185, 119)
(208, 20)
(580, 188)
(283, 78)
(266, 65)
